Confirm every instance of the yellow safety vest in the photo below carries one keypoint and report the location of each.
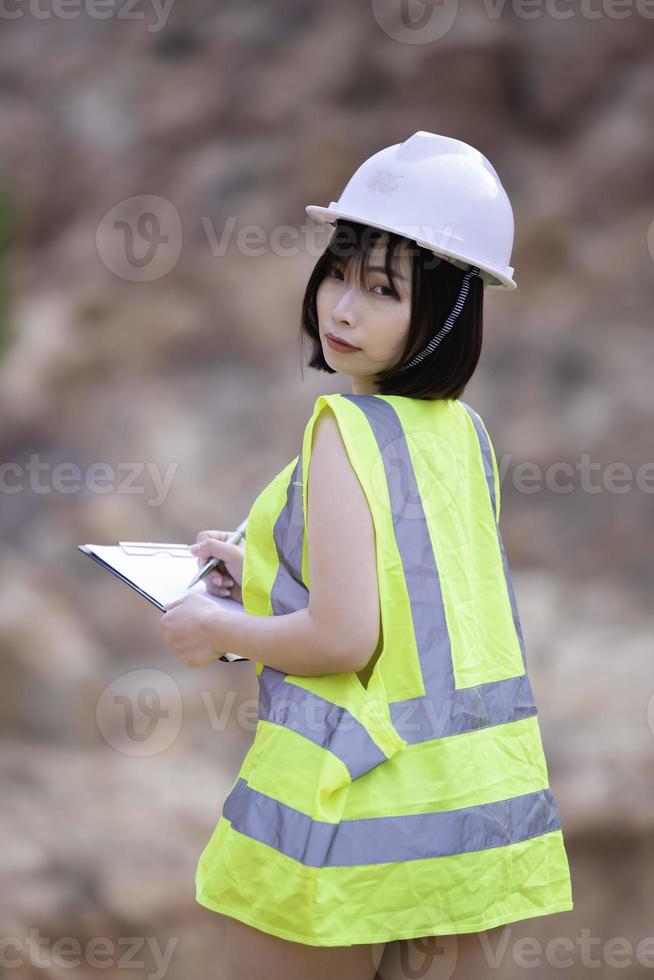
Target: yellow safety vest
(412, 798)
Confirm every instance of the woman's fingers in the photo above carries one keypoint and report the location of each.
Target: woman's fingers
(203, 546)
(213, 547)
(225, 579)
(216, 582)
(221, 535)
(219, 584)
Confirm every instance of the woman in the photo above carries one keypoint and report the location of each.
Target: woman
(396, 789)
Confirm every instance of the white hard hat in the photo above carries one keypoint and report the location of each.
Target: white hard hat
(439, 192)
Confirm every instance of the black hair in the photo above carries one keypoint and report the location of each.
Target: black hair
(435, 286)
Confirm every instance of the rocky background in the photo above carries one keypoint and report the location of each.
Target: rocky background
(233, 114)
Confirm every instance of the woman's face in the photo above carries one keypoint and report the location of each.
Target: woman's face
(370, 317)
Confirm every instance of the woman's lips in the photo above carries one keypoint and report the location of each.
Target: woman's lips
(337, 345)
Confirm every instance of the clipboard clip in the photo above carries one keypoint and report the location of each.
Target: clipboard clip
(147, 548)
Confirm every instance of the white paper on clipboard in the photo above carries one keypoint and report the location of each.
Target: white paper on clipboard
(159, 571)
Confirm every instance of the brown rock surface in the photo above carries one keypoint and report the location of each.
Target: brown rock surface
(246, 113)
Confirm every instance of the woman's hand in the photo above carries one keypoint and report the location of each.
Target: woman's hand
(212, 544)
(191, 627)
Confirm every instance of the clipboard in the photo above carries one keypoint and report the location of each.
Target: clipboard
(159, 571)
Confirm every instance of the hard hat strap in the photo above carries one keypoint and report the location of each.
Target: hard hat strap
(449, 323)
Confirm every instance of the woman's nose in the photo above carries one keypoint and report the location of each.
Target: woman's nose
(343, 308)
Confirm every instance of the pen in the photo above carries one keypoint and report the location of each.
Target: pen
(218, 563)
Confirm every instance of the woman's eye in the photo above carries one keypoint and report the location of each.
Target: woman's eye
(338, 272)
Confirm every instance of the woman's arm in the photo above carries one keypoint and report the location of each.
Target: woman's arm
(339, 630)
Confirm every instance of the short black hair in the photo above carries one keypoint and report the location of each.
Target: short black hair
(435, 286)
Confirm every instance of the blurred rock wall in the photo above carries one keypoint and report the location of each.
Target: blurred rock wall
(232, 115)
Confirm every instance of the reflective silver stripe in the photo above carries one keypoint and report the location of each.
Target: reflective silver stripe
(465, 710)
(423, 587)
(490, 479)
(381, 840)
(443, 710)
(289, 592)
(284, 703)
(487, 459)
(321, 721)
